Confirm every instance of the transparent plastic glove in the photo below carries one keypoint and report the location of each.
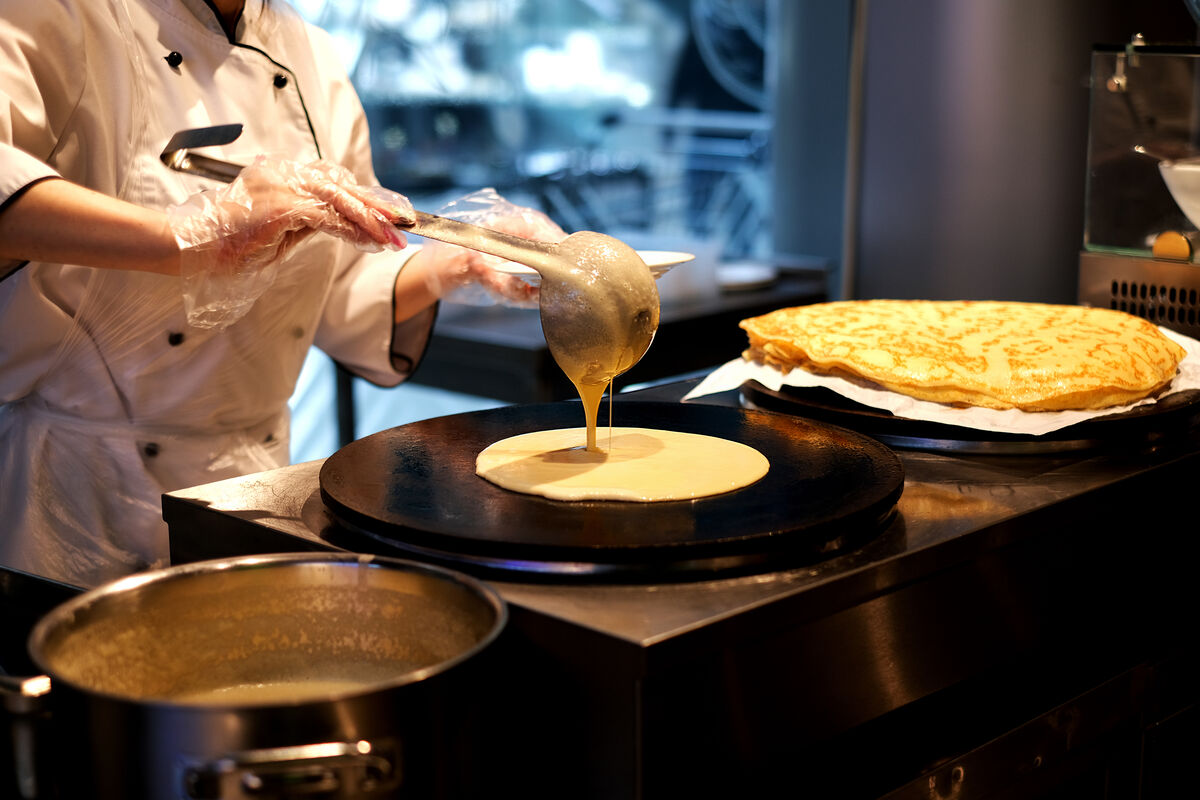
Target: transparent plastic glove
(232, 239)
(459, 275)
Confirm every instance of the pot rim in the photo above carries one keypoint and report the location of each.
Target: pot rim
(64, 612)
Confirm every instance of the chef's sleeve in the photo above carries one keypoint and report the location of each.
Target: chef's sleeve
(357, 327)
(38, 91)
(18, 170)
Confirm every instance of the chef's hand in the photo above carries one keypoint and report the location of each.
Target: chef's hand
(459, 275)
(231, 238)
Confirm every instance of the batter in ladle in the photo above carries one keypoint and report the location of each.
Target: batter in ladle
(598, 316)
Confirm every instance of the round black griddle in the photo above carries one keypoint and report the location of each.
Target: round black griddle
(414, 488)
(1172, 413)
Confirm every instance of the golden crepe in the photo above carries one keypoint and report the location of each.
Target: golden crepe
(1029, 356)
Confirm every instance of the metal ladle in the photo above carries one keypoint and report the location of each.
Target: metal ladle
(598, 301)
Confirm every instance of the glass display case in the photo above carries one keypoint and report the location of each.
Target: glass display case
(1141, 237)
(1143, 112)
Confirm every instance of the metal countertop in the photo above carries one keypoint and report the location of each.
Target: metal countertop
(953, 509)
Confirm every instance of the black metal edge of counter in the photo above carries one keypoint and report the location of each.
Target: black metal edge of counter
(1169, 416)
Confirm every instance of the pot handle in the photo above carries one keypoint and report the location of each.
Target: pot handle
(25, 705)
(330, 770)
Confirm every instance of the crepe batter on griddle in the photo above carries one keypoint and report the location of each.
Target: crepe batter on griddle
(612, 307)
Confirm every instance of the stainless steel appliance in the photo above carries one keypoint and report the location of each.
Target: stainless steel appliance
(1020, 626)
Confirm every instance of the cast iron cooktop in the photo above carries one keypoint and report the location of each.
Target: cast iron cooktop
(414, 489)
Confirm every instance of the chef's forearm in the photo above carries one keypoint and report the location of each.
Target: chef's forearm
(57, 221)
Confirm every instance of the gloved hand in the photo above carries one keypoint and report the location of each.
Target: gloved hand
(231, 239)
(459, 275)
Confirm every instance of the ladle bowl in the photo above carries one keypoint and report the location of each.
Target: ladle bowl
(600, 315)
(598, 301)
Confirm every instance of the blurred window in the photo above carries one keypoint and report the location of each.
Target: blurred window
(645, 117)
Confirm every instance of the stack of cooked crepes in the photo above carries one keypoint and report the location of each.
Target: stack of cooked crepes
(1028, 356)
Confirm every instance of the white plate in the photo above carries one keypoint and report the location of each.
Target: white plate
(659, 261)
(745, 277)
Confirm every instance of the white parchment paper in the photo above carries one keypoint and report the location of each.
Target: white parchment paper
(735, 373)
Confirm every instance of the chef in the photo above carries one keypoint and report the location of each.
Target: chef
(153, 323)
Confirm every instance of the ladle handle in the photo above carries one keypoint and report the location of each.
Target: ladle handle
(532, 253)
(538, 255)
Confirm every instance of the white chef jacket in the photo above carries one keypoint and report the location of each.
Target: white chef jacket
(109, 398)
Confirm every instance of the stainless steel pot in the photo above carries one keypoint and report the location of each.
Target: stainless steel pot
(297, 675)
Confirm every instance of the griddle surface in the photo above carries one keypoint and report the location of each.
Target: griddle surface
(414, 487)
(1170, 415)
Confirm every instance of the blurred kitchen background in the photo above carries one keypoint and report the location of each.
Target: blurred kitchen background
(897, 148)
